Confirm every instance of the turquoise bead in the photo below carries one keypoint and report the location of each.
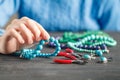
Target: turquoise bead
(86, 56)
(98, 52)
(58, 48)
(52, 39)
(42, 42)
(56, 42)
(39, 47)
(103, 59)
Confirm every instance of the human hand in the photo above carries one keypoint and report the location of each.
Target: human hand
(21, 32)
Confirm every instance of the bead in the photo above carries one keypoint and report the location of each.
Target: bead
(52, 39)
(98, 52)
(39, 47)
(42, 42)
(86, 56)
(103, 59)
(30, 54)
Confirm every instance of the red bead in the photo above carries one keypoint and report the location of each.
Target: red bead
(69, 50)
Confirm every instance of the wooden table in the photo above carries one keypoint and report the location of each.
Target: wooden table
(14, 68)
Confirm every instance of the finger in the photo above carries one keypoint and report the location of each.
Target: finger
(17, 35)
(27, 33)
(44, 33)
(32, 26)
(13, 47)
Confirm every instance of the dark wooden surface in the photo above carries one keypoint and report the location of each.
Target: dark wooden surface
(14, 68)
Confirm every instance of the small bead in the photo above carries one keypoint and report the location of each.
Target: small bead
(42, 42)
(86, 56)
(103, 59)
(58, 48)
(39, 47)
(56, 41)
(98, 52)
(52, 39)
(57, 44)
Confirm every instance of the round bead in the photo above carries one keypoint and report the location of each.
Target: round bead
(42, 42)
(86, 56)
(58, 48)
(52, 39)
(39, 47)
(98, 52)
(103, 59)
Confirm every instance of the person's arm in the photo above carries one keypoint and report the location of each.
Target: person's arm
(109, 15)
(7, 9)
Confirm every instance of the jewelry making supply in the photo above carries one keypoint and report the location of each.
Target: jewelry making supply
(70, 58)
(89, 47)
(32, 53)
(73, 37)
(100, 40)
(87, 57)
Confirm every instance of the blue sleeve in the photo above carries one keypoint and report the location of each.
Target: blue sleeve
(109, 15)
(2, 32)
(7, 9)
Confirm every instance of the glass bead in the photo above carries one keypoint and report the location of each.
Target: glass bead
(42, 42)
(39, 47)
(98, 52)
(52, 39)
(86, 56)
(103, 59)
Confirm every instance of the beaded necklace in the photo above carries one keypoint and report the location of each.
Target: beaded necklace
(32, 53)
(72, 37)
(93, 40)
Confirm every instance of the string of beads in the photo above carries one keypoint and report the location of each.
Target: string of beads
(32, 53)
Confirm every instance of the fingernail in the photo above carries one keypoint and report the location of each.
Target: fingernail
(46, 37)
(22, 41)
(30, 41)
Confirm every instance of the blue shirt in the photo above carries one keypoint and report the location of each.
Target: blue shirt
(65, 15)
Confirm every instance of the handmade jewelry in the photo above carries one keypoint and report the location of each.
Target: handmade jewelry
(72, 37)
(32, 53)
(99, 41)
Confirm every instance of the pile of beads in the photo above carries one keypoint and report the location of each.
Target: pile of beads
(32, 53)
(72, 37)
(88, 40)
(99, 54)
(62, 45)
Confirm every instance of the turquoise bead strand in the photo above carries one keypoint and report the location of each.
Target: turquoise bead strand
(32, 53)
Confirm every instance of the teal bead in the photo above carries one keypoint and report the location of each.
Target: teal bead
(37, 52)
(98, 52)
(86, 56)
(39, 47)
(56, 42)
(52, 39)
(103, 59)
(58, 48)
(42, 42)
(24, 50)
